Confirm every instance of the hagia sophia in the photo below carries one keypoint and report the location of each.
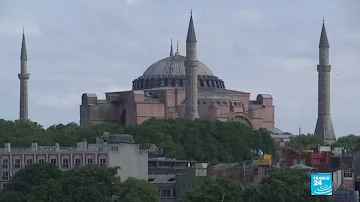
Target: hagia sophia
(183, 87)
(178, 87)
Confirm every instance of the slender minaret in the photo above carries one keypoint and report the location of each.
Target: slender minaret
(324, 127)
(23, 76)
(191, 77)
(171, 48)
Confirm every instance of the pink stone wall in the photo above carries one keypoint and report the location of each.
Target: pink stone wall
(145, 111)
(137, 111)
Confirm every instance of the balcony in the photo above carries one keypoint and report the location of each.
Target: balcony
(16, 166)
(6, 166)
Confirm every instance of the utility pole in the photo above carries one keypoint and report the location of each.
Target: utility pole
(223, 197)
(299, 145)
(244, 173)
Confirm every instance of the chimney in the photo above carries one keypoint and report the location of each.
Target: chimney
(57, 147)
(34, 146)
(7, 147)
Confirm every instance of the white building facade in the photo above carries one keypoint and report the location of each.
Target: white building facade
(109, 150)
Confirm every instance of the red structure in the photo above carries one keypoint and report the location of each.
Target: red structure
(289, 157)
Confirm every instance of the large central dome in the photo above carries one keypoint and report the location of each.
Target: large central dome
(170, 73)
(173, 66)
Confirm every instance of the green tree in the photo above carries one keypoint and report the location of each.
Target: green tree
(90, 183)
(26, 179)
(135, 190)
(308, 141)
(33, 175)
(49, 190)
(283, 185)
(215, 191)
(46, 183)
(201, 140)
(350, 142)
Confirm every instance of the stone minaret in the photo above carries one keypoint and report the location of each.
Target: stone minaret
(324, 127)
(23, 76)
(191, 77)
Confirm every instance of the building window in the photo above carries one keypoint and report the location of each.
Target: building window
(114, 149)
(65, 163)
(167, 193)
(29, 161)
(90, 161)
(41, 160)
(17, 163)
(174, 193)
(5, 175)
(103, 161)
(77, 162)
(303, 161)
(5, 163)
(53, 161)
(348, 174)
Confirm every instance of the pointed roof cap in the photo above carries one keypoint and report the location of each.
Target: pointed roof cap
(23, 55)
(191, 37)
(171, 48)
(324, 42)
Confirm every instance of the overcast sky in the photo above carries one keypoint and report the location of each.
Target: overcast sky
(77, 46)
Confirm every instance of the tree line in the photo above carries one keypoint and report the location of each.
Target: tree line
(311, 142)
(200, 140)
(44, 182)
(283, 185)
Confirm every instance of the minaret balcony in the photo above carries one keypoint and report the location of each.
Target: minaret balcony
(24, 76)
(324, 68)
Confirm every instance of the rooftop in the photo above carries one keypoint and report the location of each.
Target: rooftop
(173, 66)
(163, 159)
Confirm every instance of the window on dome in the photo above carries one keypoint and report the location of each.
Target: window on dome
(207, 83)
(201, 83)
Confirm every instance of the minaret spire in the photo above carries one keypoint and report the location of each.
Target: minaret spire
(23, 76)
(23, 55)
(191, 75)
(324, 127)
(171, 48)
(324, 42)
(191, 37)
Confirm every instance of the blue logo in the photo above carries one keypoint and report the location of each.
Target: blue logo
(321, 184)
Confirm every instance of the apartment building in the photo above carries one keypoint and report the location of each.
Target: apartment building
(109, 150)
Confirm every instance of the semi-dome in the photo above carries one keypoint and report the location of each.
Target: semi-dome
(173, 66)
